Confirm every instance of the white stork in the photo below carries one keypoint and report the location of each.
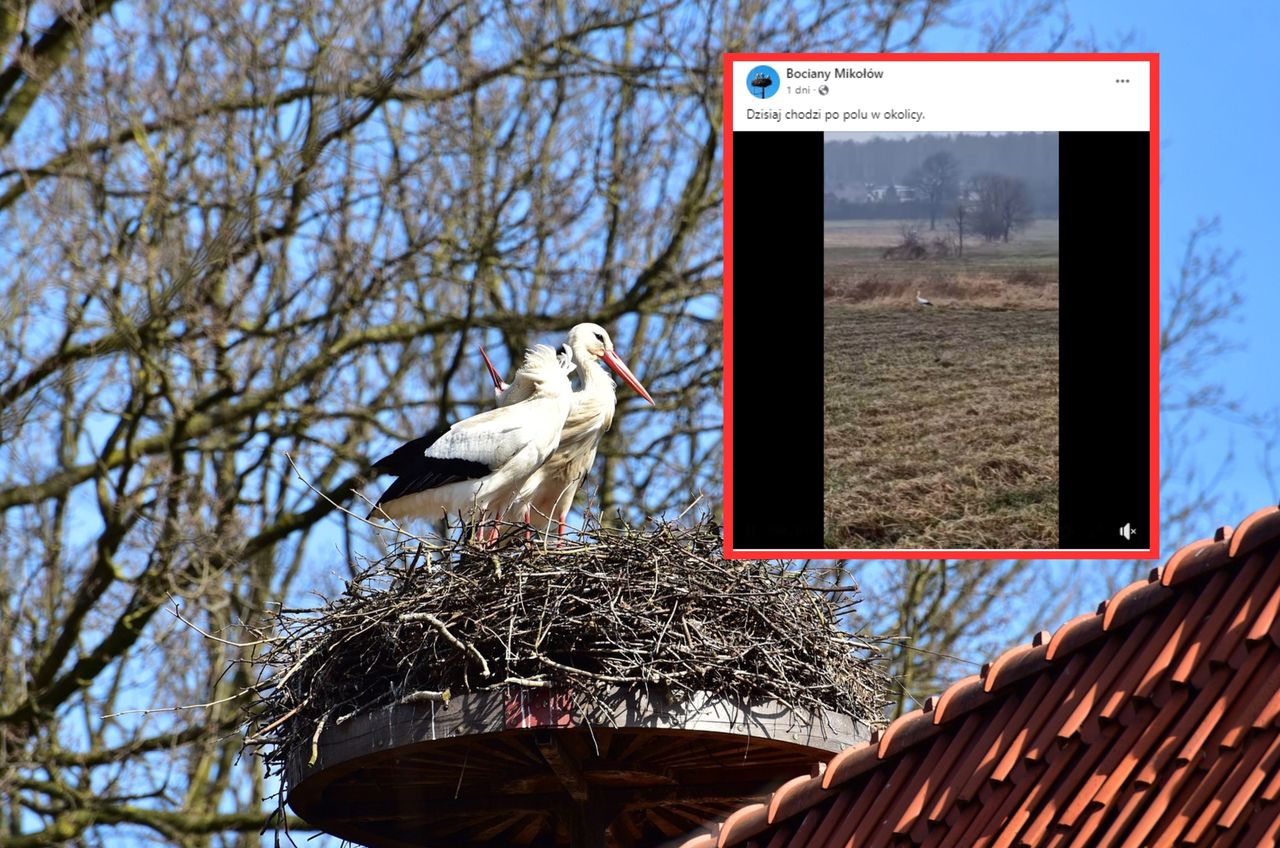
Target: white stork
(548, 493)
(478, 465)
(920, 300)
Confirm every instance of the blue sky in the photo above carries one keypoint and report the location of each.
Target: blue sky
(1220, 72)
(1219, 91)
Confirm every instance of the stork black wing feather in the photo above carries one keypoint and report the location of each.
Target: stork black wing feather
(407, 458)
(431, 472)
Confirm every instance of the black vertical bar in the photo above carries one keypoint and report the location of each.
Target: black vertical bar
(1104, 461)
(777, 347)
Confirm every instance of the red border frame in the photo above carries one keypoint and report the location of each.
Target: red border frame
(1153, 59)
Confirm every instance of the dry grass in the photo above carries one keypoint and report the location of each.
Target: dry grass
(1022, 274)
(941, 427)
(942, 423)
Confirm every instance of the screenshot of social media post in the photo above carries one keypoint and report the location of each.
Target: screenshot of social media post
(941, 325)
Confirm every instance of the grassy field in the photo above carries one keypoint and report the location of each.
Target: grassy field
(1020, 274)
(941, 424)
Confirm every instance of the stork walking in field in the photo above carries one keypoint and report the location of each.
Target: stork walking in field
(477, 467)
(547, 495)
(921, 301)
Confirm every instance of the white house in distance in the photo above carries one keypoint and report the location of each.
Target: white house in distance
(860, 192)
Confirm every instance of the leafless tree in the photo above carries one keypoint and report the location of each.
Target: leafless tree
(1200, 303)
(938, 180)
(946, 616)
(959, 218)
(1002, 206)
(239, 233)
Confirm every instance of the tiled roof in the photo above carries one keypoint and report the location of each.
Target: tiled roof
(1153, 721)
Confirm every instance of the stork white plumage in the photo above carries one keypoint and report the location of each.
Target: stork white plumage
(547, 495)
(521, 387)
(920, 300)
(478, 465)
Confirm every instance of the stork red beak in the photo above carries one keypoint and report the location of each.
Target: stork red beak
(619, 367)
(498, 384)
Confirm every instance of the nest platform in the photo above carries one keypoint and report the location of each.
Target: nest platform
(521, 768)
(618, 690)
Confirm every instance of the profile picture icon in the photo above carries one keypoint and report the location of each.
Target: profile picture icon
(763, 81)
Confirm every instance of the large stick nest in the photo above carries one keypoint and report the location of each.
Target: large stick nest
(659, 609)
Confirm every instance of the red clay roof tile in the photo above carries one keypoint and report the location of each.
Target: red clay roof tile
(871, 790)
(909, 805)
(1082, 767)
(1195, 560)
(742, 823)
(1255, 531)
(1123, 825)
(794, 796)
(821, 836)
(1119, 691)
(1135, 600)
(1080, 700)
(958, 822)
(850, 763)
(1182, 635)
(807, 826)
(1207, 801)
(1270, 711)
(1265, 620)
(939, 787)
(906, 731)
(1271, 791)
(1078, 631)
(1155, 648)
(1008, 736)
(982, 756)
(849, 821)
(1129, 750)
(1149, 722)
(1253, 778)
(1265, 832)
(963, 696)
(994, 808)
(1015, 664)
(1027, 804)
(1067, 684)
(899, 781)
(1250, 698)
(1193, 717)
(780, 838)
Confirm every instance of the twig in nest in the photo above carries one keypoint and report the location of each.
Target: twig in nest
(450, 638)
(658, 610)
(422, 696)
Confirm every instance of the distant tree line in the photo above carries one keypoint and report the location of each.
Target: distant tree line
(837, 209)
(866, 179)
(1031, 156)
(990, 204)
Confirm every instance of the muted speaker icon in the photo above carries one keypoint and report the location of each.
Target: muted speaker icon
(1127, 531)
